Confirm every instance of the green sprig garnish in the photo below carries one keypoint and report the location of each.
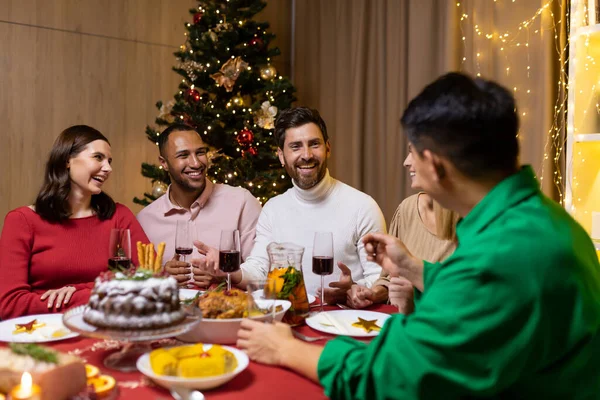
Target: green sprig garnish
(34, 351)
(291, 279)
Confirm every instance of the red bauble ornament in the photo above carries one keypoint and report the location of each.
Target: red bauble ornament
(245, 137)
(253, 151)
(258, 42)
(197, 17)
(193, 95)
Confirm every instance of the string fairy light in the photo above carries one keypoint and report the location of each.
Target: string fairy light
(509, 45)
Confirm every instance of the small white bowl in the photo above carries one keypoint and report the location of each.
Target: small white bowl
(143, 365)
(224, 331)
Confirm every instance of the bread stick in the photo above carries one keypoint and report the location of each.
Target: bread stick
(151, 257)
(159, 256)
(141, 254)
(148, 250)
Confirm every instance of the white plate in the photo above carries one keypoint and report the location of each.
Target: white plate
(44, 334)
(143, 365)
(259, 294)
(342, 321)
(186, 294)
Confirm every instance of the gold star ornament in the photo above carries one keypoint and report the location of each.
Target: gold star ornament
(367, 325)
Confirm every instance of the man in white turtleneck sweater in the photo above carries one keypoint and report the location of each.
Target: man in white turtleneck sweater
(317, 202)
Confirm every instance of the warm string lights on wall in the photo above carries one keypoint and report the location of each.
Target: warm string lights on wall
(517, 67)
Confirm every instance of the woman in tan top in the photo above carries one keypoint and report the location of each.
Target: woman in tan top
(428, 231)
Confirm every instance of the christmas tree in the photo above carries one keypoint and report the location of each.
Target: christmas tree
(231, 94)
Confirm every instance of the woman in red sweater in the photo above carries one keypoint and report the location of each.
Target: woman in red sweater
(50, 253)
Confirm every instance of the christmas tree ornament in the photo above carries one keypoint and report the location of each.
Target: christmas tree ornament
(229, 73)
(245, 137)
(165, 111)
(238, 100)
(224, 27)
(267, 73)
(191, 68)
(197, 17)
(265, 117)
(256, 42)
(253, 151)
(193, 95)
(159, 188)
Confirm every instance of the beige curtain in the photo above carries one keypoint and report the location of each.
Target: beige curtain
(360, 61)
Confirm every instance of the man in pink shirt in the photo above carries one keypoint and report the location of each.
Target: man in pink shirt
(191, 196)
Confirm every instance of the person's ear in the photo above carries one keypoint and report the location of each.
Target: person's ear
(328, 148)
(163, 163)
(280, 155)
(435, 165)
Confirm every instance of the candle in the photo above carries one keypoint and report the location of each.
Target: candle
(27, 390)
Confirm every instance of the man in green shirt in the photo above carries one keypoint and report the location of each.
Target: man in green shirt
(513, 313)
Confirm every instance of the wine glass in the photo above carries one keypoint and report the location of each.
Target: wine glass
(229, 253)
(183, 243)
(322, 262)
(119, 249)
(261, 301)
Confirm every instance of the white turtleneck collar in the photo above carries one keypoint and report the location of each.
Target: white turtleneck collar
(317, 192)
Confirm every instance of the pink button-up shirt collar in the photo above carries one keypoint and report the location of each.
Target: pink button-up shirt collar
(170, 208)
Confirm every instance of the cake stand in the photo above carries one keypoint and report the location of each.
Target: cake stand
(135, 342)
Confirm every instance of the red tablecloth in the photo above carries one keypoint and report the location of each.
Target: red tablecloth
(256, 382)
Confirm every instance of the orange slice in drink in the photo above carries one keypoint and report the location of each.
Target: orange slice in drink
(91, 371)
(103, 384)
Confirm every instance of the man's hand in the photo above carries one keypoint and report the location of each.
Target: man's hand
(58, 297)
(263, 342)
(212, 257)
(179, 270)
(402, 295)
(393, 256)
(361, 297)
(339, 291)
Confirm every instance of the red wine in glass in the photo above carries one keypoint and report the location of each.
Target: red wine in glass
(229, 260)
(322, 265)
(119, 263)
(183, 251)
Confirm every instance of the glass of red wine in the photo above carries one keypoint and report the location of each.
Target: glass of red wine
(119, 249)
(322, 262)
(229, 253)
(184, 243)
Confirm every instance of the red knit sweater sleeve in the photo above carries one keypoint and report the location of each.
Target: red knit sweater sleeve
(16, 296)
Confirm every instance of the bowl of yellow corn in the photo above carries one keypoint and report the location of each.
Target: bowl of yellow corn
(196, 366)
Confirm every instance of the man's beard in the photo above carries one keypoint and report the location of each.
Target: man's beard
(306, 182)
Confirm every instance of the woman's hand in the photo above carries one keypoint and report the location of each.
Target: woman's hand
(402, 295)
(58, 297)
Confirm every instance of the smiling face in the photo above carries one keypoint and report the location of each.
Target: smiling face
(305, 155)
(185, 159)
(89, 169)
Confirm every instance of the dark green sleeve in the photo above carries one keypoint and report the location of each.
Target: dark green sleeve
(469, 337)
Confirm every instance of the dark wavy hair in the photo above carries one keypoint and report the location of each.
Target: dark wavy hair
(52, 201)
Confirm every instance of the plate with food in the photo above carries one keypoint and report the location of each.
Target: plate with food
(35, 329)
(357, 323)
(224, 310)
(260, 294)
(198, 366)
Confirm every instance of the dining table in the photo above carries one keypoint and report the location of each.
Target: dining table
(257, 381)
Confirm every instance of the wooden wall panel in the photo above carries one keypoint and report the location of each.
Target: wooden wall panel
(101, 63)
